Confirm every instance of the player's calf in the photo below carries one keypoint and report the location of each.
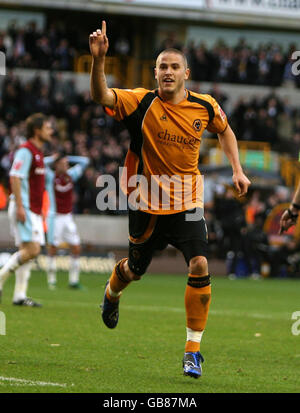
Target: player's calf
(119, 280)
(197, 302)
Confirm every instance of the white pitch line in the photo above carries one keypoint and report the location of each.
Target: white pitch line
(25, 382)
(229, 313)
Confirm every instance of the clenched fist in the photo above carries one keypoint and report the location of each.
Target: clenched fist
(99, 42)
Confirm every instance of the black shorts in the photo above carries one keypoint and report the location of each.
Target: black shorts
(149, 233)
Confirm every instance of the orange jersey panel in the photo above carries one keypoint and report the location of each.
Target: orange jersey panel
(165, 141)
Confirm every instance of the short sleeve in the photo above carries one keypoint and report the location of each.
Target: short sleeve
(126, 102)
(219, 122)
(21, 164)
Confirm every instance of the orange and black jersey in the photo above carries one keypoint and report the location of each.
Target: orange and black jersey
(165, 144)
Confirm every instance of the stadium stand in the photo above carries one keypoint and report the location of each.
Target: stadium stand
(267, 125)
(55, 48)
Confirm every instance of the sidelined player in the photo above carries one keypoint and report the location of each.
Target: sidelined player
(166, 126)
(61, 226)
(27, 179)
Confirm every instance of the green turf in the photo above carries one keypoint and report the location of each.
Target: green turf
(248, 345)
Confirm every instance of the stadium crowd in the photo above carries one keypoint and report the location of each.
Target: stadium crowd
(82, 128)
(33, 48)
(242, 233)
(53, 48)
(266, 64)
(56, 48)
(271, 120)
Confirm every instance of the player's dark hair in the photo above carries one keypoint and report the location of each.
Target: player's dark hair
(176, 51)
(33, 122)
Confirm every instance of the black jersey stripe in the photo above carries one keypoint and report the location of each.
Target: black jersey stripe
(202, 102)
(133, 123)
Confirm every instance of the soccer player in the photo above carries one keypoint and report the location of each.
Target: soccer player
(290, 215)
(27, 179)
(165, 125)
(60, 223)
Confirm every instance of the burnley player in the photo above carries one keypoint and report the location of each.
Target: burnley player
(60, 222)
(27, 179)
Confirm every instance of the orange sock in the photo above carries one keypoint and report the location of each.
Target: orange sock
(117, 282)
(197, 300)
(192, 346)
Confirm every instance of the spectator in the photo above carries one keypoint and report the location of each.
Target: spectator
(169, 42)
(43, 53)
(200, 64)
(276, 70)
(122, 46)
(63, 57)
(263, 67)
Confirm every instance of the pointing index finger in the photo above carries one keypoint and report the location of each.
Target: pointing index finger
(103, 30)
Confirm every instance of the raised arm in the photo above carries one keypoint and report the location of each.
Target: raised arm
(229, 145)
(76, 171)
(48, 160)
(82, 160)
(98, 47)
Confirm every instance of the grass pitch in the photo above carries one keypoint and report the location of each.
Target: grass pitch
(64, 347)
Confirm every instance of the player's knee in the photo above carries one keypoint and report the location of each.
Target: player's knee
(199, 265)
(75, 250)
(138, 262)
(136, 274)
(133, 273)
(133, 276)
(32, 250)
(36, 250)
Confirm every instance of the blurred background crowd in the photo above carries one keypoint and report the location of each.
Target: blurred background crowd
(56, 47)
(82, 128)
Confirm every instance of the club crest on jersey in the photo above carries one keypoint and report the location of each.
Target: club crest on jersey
(197, 125)
(37, 157)
(17, 165)
(163, 117)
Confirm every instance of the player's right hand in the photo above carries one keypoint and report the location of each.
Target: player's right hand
(21, 215)
(99, 42)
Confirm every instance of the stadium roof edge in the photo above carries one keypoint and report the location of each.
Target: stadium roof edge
(167, 13)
